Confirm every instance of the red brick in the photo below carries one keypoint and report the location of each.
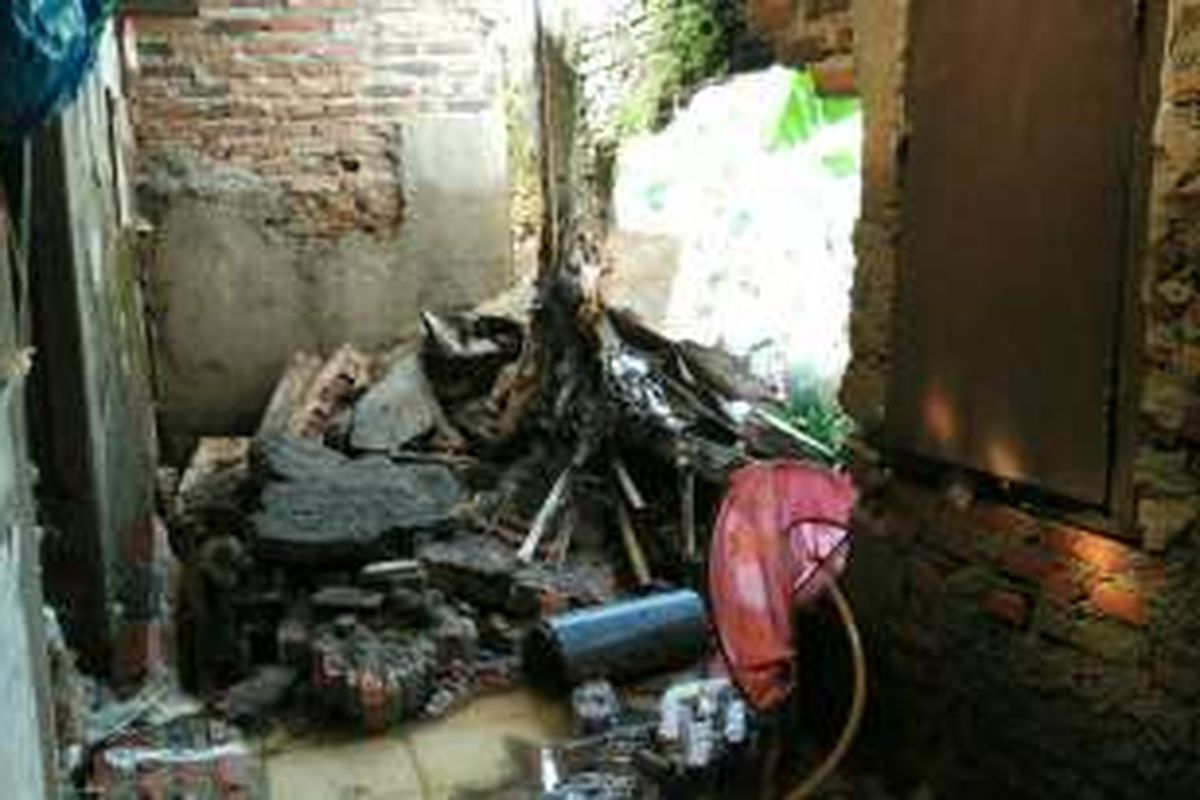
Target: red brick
(1096, 551)
(1027, 563)
(1122, 603)
(1061, 586)
(298, 24)
(274, 68)
(1006, 605)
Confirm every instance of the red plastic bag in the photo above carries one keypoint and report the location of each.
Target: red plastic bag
(781, 537)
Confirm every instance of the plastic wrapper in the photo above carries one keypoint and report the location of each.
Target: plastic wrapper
(47, 48)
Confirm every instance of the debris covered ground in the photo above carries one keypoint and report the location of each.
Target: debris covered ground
(506, 501)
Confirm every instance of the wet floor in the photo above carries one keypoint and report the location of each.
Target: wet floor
(482, 750)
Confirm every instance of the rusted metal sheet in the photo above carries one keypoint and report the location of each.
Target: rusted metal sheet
(1015, 215)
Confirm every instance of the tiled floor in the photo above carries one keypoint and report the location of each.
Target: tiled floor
(484, 748)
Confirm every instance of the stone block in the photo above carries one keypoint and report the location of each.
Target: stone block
(396, 410)
(354, 511)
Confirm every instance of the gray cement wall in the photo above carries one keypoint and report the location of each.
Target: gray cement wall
(234, 294)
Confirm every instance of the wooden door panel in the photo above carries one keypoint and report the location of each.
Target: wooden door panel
(1014, 234)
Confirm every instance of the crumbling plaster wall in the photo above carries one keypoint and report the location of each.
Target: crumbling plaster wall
(1012, 654)
(318, 171)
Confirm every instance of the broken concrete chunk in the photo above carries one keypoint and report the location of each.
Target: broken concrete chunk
(375, 679)
(347, 600)
(488, 574)
(475, 568)
(254, 699)
(353, 512)
(290, 458)
(455, 636)
(395, 411)
(214, 494)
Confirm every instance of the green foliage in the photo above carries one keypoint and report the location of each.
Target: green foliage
(813, 409)
(686, 46)
(841, 165)
(805, 112)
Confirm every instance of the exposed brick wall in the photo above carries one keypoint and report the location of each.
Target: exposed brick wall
(317, 172)
(1014, 656)
(1018, 657)
(309, 92)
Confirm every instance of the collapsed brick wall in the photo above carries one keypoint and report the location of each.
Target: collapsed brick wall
(307, 93)
(1166, 481)
(1015, 657)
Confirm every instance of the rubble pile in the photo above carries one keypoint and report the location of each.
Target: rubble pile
(405, 531)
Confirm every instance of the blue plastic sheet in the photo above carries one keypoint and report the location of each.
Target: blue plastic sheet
(47, 48)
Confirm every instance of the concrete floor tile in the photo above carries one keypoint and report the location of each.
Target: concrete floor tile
(492, 743)
(489, 745)
(378, 768)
